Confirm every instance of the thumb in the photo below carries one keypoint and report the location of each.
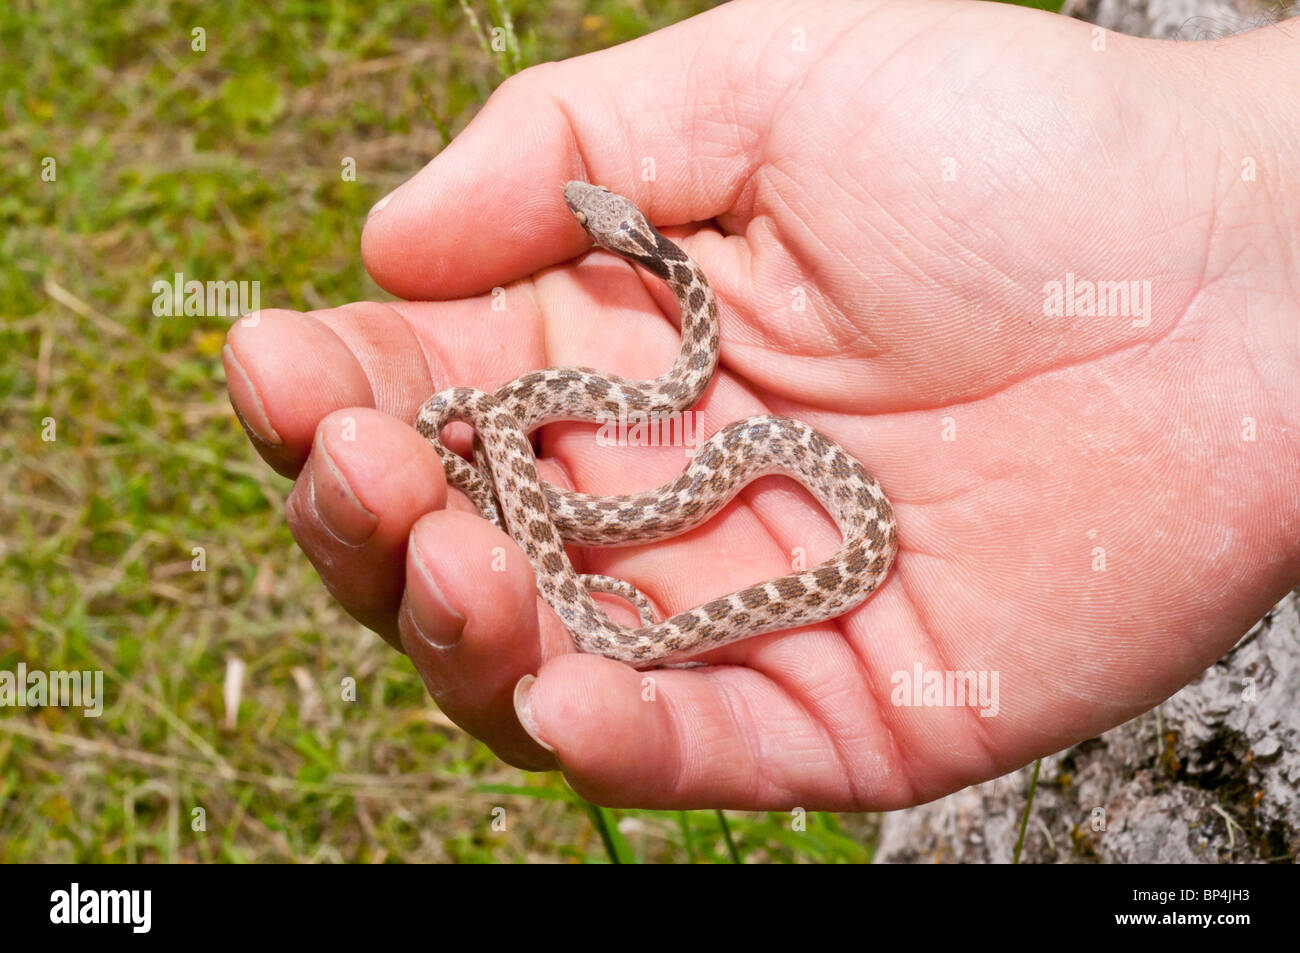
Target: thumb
(490, 207)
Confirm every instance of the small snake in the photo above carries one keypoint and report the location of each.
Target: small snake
(504, 484)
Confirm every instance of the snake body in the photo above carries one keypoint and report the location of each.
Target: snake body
(504, 484)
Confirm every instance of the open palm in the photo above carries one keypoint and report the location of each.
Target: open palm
(890, 192)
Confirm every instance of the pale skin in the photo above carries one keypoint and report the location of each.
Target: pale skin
(1081, 506)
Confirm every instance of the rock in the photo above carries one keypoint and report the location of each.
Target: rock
(1210, 776)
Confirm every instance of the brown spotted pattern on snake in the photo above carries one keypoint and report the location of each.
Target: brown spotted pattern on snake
(505, 486)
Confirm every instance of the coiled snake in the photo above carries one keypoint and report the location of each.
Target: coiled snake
(505, 486)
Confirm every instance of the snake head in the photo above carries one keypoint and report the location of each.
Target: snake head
(612, 221)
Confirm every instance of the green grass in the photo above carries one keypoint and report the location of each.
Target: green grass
(226, 163)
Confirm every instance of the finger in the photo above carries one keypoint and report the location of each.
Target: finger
(368, 479)
(286, 371)
(470, 625)
(489, 208)
(713, 737)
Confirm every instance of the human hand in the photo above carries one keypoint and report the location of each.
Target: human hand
(1078, 511)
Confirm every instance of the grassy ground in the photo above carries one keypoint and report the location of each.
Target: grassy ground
(225, 163)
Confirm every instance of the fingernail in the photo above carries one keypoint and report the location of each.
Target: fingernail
(336, 506)
(524, 709)
(247, 402)
(378, 206)
(432, 615)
